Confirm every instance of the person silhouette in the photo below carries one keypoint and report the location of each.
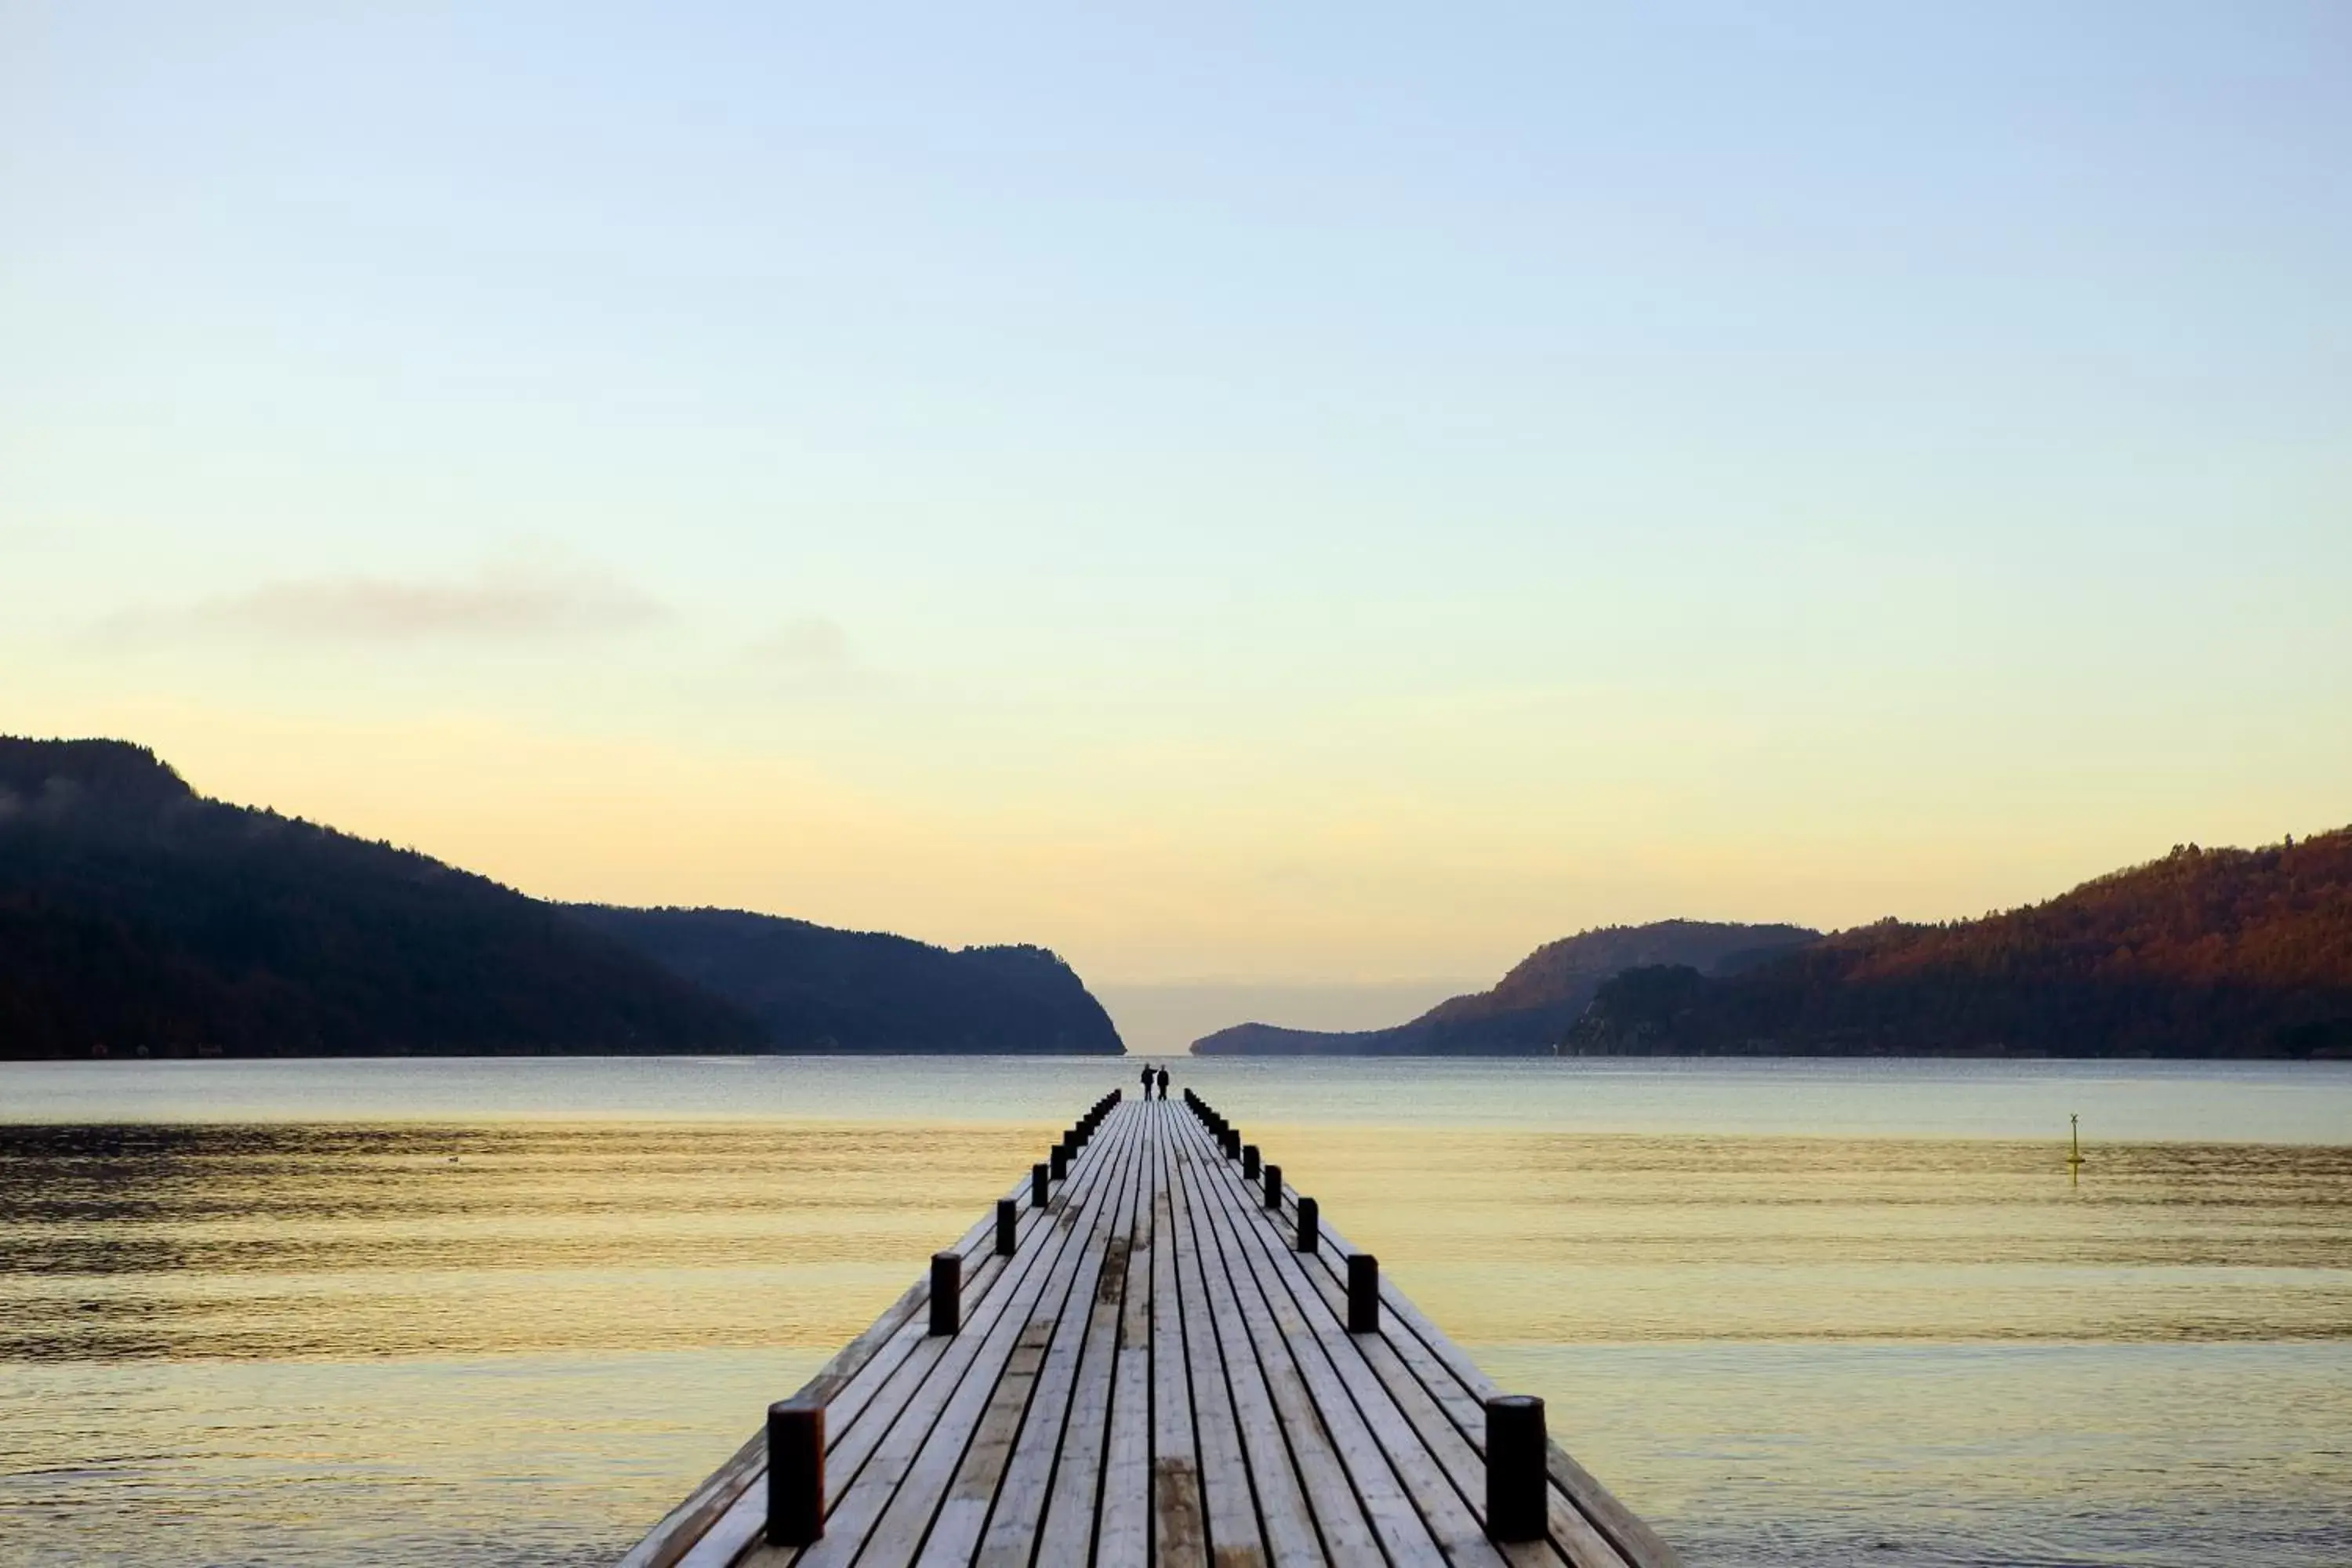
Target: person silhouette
(1147, 1081)
(1163, 1083)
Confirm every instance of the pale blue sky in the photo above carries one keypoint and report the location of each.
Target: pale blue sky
(1350, 493)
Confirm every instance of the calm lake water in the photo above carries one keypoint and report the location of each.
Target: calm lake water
(508, 1311)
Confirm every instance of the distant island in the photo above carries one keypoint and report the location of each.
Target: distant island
(1529, 1009)
(2204, 953)
(137, 918)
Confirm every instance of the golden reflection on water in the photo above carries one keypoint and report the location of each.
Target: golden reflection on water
(521, 1341)
(1568, 1239)
(287, 1242)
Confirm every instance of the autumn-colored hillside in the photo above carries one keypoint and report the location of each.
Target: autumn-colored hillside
(2205, 952)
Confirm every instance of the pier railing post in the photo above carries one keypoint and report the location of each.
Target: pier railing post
(1061, 1161)
(1249, 1162)
(1363, 1294)
(1514, 1468)
(1273, 1187)
(1008, 1226)
(1038, 1176)
(795, 1472)
(947, 1292)
(1310, 1224)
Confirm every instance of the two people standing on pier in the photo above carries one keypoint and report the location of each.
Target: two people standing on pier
(1149, 1078)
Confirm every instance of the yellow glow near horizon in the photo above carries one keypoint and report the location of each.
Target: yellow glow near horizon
(1381, 889)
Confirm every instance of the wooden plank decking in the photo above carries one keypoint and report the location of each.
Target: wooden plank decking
(1156, 1376)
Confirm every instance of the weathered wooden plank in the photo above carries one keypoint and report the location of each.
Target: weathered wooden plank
(1441, 1527)
(1289, 1528)
(727, 1512)
(1589, 1524)
(1057, 1459)
(1121, 1511)
(1407, 1366)
(963, 1514)
(879, 1454)
(1330, 1495)
(1177, 1537)
(1157, 1377)
(1228, 1510)
(1450, 1514)
(1396, 1521)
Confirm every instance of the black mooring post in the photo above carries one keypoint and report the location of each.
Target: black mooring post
(1008, 1228)
(1363, 1294)
(1038, 1176)
(947, 1292)
(1273, 1187)
(1232, 1144)
(1310, 1224)
(1514, 1468)
(1249, 1162)
(795, 1472)
(1061, 1161)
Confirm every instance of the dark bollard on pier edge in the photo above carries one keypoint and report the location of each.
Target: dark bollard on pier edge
(1514, 1468)
(1232, 1144)
(1249, 1162)
(1008, 1228)
(1310, 1224)
(1038, 1176)
(1060, 1161)
(1363, 1294)
(1273, 1187)
(795, 1472)
(947, 1292)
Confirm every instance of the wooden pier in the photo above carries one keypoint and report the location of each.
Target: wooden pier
(1154, 1352)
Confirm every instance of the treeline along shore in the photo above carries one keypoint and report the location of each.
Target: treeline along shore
(2203, 953)
(137, 918)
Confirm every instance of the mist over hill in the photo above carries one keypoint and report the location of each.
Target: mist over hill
(137, 917)
(2206, 952)
(1527, 1011)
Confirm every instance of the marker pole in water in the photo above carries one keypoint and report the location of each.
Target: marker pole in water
(2075, 1154)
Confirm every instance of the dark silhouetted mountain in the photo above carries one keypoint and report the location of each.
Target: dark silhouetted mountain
(136, 916)
(1527, 1011)
(2228, 953)
(817, 989)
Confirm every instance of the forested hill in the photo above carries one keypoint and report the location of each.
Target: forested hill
(2206, 952)
(138, 917)
(135, 915)
(1525, 1012)
(816, 989)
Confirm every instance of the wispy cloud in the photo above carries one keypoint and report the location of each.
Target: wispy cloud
(806, 643)
(498, 605)
(812, 655)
